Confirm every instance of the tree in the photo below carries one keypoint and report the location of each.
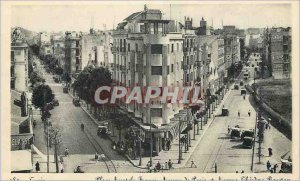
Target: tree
(80, 84)
(41, 95)
(35, 78)
(59, 70)
(99, 76)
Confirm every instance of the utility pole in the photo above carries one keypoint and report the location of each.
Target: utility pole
(151, 141)
(179, 150)
(47, 130)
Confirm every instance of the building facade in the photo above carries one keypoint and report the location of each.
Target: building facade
(148, 51)
(280, 52)
(19, 62)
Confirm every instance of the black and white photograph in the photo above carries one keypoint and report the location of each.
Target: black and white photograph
(144, 87)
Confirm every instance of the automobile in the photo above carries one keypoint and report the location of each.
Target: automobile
(55, 102)
(225, 112)
(248, 142)
(235, 132)
(65, 90)
(243, 92)
(246, 75)
(103, 131)
(236, 87)
(247, 133)
(286, 166)
(241, 83)
(76, 102)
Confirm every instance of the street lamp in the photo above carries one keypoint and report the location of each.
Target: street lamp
(179, 151)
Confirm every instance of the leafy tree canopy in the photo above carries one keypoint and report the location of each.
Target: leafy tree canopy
(41, 95)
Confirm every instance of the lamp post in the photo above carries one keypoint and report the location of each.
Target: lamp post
(151, 141)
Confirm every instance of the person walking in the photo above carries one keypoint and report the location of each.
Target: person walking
(66, 152)
(193, 164)
(34, 123)
(270, 151)
(239, 114)
(166, 166)
(37, 166)
(275, 168)
(268, 165)
(170, 164)
(244, 96)
(158, 166)
(249, 113)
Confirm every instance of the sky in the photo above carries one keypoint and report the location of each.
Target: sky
(81, 17)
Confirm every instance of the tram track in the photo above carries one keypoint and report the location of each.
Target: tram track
(111, 168)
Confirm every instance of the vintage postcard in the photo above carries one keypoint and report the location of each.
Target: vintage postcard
(183, 90)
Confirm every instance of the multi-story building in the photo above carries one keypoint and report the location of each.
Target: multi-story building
(45, 44)
(232, 46)
(212, 51)
(72, 53)
(148, 51)
(87, 49)
(19, 62)
(21, 129)
(58, 49)
(204, 29)
(280, 52)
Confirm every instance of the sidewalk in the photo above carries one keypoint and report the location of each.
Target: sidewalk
(172, 154)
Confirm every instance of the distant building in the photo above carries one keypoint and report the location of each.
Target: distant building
(87, 49)
(204, 29)
(58, 49)
(214, 70)
(280, 52)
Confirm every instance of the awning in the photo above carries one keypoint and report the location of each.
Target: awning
(21, 160)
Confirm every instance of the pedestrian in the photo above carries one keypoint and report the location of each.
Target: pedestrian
(236, 171)
(193, 164)
(270, 152)
(34, 123)
(96, 156)
(249, 113)
(168, 144)
(158, 166)
(268, 165)
(228, 129)
(170, 164)
(37, 166)
(166, 166)
(244, 96)
(148, 166)
(275, 168)
(66, 152)
(239, 114)
(242, 171)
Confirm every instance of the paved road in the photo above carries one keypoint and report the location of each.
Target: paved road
(82, 145)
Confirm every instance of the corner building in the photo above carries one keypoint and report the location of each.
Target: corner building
(148, 51)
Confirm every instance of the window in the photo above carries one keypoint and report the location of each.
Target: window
(156, 49)
(77, 60)
(129, 47)
(156, 70)
(187, 78)
(142, 28)
(12, 55)
(177, 47)
(168, 70)
(172, 48)
(156, 112)
(172, 67)
(136, 47)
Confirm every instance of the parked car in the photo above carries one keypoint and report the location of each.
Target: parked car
(248, 142)
(247, 133)
(236, 86)
(65, 90)
(235, 132)
(76, 102)
(225, 112)
(103, 131)
(243, 92)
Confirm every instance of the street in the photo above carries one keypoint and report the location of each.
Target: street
(82, 145)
